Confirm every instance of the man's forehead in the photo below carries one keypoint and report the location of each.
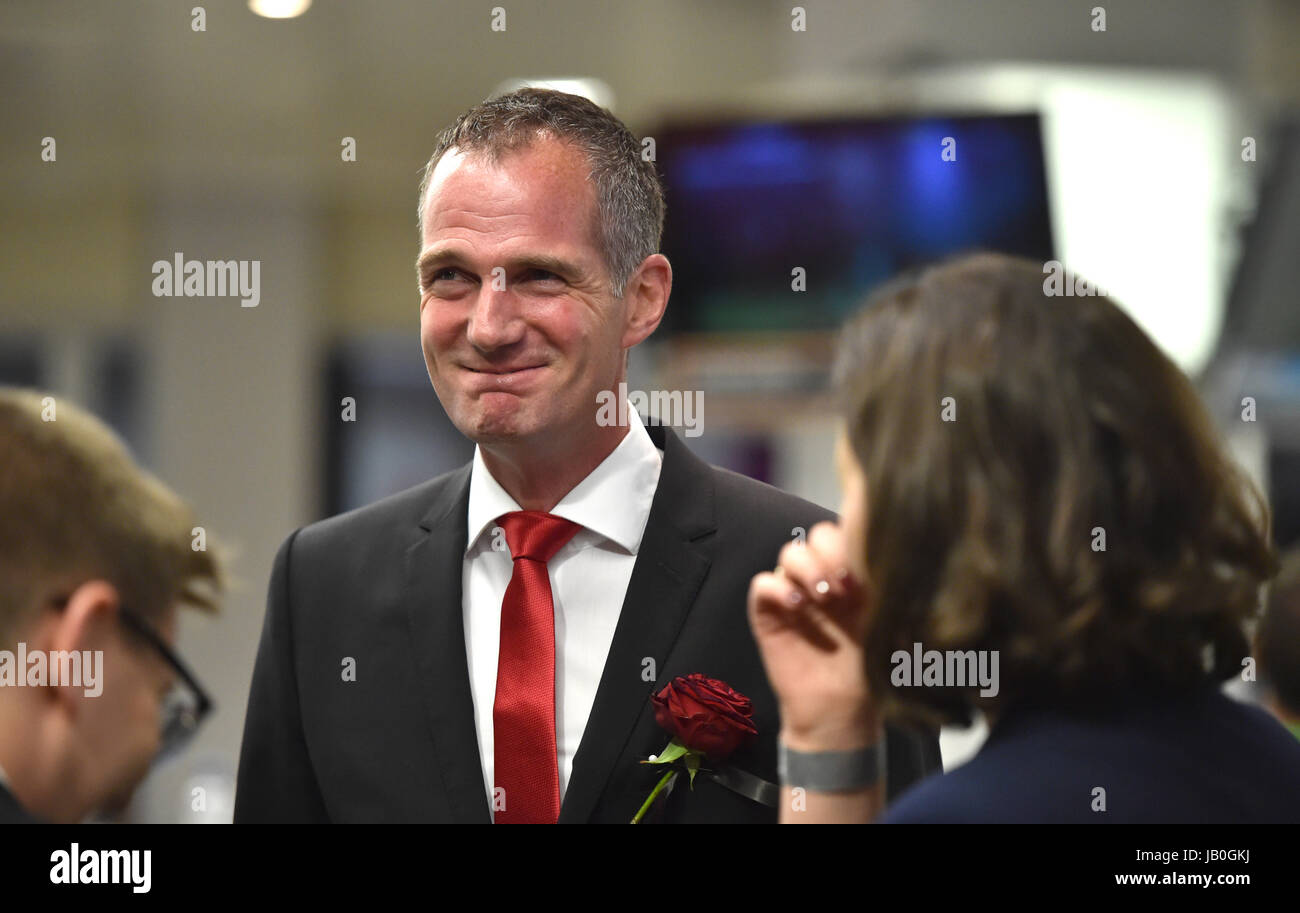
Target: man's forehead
(547, 180)
(545, 161)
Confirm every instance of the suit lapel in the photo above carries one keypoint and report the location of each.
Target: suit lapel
(670, 567)
(434, 605)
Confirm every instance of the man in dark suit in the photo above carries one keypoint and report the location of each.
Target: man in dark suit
(483, 647)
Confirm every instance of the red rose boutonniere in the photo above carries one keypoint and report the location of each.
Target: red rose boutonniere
(707, 720)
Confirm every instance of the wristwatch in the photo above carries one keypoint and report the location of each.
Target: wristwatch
(831, 771)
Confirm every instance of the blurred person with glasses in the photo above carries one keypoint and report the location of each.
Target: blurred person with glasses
(95, 559)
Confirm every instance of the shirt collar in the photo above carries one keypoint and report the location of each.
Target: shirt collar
(613, 500)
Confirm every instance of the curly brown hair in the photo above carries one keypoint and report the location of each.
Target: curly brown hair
(1069, 507)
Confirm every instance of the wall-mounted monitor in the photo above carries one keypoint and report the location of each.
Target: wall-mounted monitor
(851, 202)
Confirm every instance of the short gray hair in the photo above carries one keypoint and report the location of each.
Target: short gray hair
(629, 197)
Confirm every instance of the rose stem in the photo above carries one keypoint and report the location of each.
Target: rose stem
(651, 798)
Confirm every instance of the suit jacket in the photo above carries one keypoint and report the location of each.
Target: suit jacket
(380, 587)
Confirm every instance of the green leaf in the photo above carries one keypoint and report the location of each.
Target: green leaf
(692, 765)
(674, 751)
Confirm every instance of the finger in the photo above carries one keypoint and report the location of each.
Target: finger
(828, 542)
(807, 569)
(772, 609)
(775, 592)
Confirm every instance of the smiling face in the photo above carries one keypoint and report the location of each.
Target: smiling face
(518, 321)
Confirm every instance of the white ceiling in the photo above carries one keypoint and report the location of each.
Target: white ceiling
(137, 99)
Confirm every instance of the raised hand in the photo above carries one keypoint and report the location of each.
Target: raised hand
(809, 618)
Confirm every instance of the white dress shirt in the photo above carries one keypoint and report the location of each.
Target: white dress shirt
(589, 578)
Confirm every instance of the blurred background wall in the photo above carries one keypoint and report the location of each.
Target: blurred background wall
(226, 143)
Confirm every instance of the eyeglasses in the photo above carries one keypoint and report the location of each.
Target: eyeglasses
(185, 706)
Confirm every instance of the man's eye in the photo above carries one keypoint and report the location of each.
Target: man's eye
(446, 274)
(541, 275)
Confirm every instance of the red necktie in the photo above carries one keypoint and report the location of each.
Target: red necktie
(523, 714)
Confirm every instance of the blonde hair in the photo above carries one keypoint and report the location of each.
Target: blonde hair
(75, 506)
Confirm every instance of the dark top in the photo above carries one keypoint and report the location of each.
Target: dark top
(10, 811)
(1203, 759)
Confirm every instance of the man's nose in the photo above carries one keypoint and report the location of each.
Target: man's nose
(495, 321)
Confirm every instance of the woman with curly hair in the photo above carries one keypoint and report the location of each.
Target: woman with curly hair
(1038, 526)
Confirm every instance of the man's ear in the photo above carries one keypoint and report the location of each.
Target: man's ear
(87, 622)
(646, 298)
(89, 616)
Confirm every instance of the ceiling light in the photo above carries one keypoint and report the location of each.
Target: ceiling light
(279, 9)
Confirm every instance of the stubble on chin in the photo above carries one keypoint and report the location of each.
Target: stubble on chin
(486, 424)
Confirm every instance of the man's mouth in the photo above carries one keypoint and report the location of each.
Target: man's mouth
(504, 371)
(510, 378)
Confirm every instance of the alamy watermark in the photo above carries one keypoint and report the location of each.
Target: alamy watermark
(946, 669)
(53, 668)
(181, 278)
(683, 409)
(1060, 282)
(77, 866)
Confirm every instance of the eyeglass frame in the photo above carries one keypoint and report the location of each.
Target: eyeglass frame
(204, 703)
